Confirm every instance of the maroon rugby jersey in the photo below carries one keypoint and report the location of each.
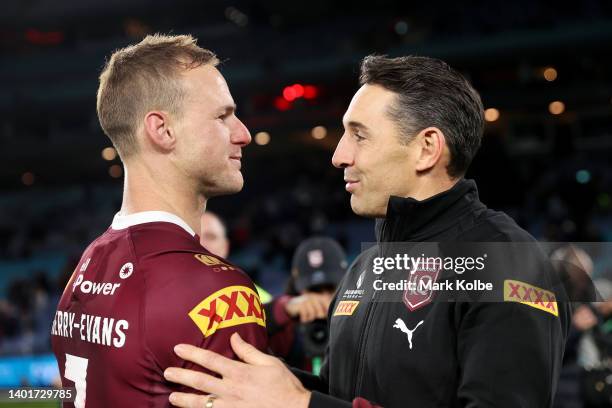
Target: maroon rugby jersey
(142, 287)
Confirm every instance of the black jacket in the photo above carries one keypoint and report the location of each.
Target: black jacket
(458, 348)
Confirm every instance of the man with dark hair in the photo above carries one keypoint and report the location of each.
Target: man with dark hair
(429, 91)
(411, 131)
(146, 283)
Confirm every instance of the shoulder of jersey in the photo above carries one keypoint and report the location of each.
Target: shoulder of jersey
(197, 265)
(215, 293)
(166, 248)
(213, 263)
(235, 302)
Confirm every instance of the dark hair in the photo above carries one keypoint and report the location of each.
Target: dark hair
(430, 93)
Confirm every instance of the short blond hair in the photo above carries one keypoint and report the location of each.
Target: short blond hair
(144, 77)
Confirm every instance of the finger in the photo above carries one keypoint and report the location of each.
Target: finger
(310, 311)
(322, 306)
(207, 359)
(184, 400)
(291, 309)
(196, 380)
(325, 310)
(327, 301)
(314, 309)
(321, 312)
(303, 312)
(248, 353)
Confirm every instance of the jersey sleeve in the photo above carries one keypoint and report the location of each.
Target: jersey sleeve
(201, 300)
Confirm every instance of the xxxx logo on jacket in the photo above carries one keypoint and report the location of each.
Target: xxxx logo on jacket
(521, 292)
(228, 307)
(419, 292)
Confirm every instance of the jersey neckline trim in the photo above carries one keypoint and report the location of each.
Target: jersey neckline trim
(125, 221)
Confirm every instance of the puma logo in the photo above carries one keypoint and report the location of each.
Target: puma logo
(399, 324)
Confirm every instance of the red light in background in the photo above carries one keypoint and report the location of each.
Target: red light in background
(289, 93)
(37, 37)
(310, 92)
(293, 92)
(299, 90)
(281, 103)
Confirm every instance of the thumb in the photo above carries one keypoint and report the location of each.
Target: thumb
(247, 353)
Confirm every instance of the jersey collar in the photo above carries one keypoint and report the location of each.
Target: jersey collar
(125, 221)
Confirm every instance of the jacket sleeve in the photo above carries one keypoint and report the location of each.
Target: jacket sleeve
(319, 385)
(319, 400)
(509, 355)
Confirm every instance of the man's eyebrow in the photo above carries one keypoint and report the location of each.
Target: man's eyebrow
(357, 125)
(228, 109)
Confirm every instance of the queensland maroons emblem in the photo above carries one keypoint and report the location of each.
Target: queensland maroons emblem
(420, 289)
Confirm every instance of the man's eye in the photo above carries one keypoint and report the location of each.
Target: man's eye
(359, 137)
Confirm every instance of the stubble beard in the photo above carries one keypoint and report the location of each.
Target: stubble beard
(231, 184)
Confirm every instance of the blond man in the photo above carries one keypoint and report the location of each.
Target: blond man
(146, 283)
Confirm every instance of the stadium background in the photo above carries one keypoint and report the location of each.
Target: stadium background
(542, 68)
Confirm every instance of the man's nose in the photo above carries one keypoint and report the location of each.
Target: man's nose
(343, 156)
(240, 134)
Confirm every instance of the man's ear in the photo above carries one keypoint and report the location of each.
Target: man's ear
(158, 131)
(431, 146)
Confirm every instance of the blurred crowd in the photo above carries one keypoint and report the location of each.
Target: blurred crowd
(26, 314)
(587, 362)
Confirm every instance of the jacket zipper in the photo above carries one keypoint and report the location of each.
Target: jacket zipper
(362, 343)
(360, 367)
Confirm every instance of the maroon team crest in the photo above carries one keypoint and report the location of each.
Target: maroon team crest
(420, 290)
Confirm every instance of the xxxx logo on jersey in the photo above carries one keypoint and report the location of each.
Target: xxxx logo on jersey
(228, 307)
(517, 291)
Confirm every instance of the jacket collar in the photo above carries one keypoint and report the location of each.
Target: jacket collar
(412, 220)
